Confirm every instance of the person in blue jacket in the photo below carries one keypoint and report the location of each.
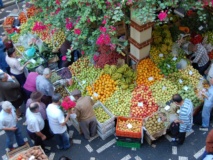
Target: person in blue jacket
(3, 63)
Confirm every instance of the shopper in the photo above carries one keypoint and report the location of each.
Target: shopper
(200, 57)
(36, 97)
(57, 122)
(185, 117)
(8, 122)
(35, 124)
(85, 114)
(30, 83)
(44, 86)
(207, 107)
(15, 67)
(3, 63)
(209, 144)
(10, 91)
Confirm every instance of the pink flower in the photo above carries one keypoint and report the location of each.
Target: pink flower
(82, 52)
(112, 46)
(108, 3)
(112, 28)
(95, 57)
(58, 10)
(67, 103)
(68, 24)
(64, 58)
(103, 39)
(103, 29)
(162, 15)
(88, 20)
(104, 21)
(53, 31)
(77, 31)
(57, 2)
(129, 2)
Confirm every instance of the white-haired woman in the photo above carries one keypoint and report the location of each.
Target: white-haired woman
(8, 122)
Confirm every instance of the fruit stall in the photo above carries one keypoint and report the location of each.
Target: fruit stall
(131, 103)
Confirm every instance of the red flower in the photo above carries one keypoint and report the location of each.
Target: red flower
(162, 15)
(68, 24)
(77, 31)
(103, 39)
(57, 2)
(67, 103)
(104, 21)
(82, 52)
(57, 11)
(88, 20)
(103, 29)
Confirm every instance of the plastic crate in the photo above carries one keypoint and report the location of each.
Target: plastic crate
(107, 134)
(128, 144)
(106, 128)
(128, 133)
(112, 117)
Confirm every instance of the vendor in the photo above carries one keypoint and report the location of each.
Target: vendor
(63, 62)
(85, 114)
(200, 57)
(15, 67)
(185, 117)
(44, 86)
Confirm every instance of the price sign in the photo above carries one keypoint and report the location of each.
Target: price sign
(129, 126)
(178, 111)
(95, 94)
(159, 120)
(140, 104)
(168, 66)
(33, 61)
(163, 88)
(180, 81)
(190, 72)
(83, 82)
(185, 88)
(167, 107)
(200, 28)
(174, 58)
(150, 78)
(160, 55)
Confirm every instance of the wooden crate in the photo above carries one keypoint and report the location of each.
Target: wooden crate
(17, 151)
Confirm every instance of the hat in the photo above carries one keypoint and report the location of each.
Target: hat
(75, 92)
(36, 96)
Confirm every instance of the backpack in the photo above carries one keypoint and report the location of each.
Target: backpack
(174, 129)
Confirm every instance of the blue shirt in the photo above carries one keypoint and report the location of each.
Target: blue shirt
(44, 86)
(3, 63)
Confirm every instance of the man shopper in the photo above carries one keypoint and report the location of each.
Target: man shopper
(57, 122)
(207, 107)
(35, 125)
(8, 122)
(85, 114)
(185, 117)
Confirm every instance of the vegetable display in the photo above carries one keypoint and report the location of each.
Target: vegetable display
(101, 115)
(129, 125)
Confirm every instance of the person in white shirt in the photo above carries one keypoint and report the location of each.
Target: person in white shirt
(15, 67)
(35, 124)
(57, 122)
(8, 123)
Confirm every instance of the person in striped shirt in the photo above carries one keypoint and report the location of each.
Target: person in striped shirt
(200, 56)
(185, 118)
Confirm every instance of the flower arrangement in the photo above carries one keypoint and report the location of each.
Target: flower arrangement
(67, 104)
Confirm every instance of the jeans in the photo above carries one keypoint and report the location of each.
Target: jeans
(63, 140)
(206, 115)
(18, 136)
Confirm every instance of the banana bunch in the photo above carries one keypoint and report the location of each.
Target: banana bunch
(124, 75)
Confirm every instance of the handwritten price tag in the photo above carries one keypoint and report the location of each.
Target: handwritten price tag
(167, 107)
(95, 94)
(190, 73)
(150, 78)
(185, 88)
(140, 104)
(168, 66)
(129, 126)
(83, 82)
(174, 58)
(161, 55)
(180, 81)
(163, 88)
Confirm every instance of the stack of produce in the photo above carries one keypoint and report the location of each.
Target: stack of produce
(162, 39)
(88, 75)
(78, 66)
(35, 62)
(103, 88)
(22, 17)
(168, 66)
(177, 79)
(62, 91)
(163, 90)
(27, 27)
(15, 38)
(154, 124)
(119, 103)
(156, 55)
(54, 77)
(209, 34)
(147, 73)
(124, 75)
(31, 11)
(55, 41)
(142, 103)
(129, 127)
(192, 75)
(105, 121)
(74, 86)
(9, 21)
(188, 92)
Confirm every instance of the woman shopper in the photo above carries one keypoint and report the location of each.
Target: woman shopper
(30, 83)
(8, 122)
(15, 67)
(10, 91)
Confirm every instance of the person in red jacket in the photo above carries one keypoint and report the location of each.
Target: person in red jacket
(209, 144)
